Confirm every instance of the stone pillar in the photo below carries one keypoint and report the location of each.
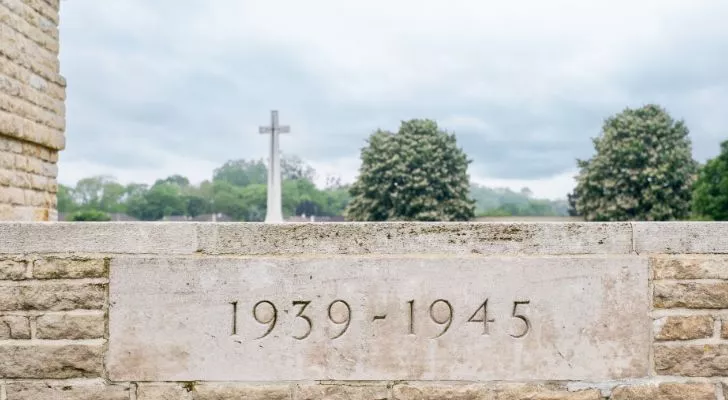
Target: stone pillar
(32, 109)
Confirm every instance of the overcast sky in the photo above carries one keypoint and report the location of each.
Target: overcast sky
(157, 87)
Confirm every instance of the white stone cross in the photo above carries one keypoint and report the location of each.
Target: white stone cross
(274, 212)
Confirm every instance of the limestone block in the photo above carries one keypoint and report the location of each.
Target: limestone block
(341, 391)
(665, 391)
(20, 8)
(712, 295)
(14, 327)
(684, 328)
(491, 392)
(50, 361)
(692, 360)
(681, 237)
(13, 270)
(690, 267)
(73, 268)
(52, 296)
(38, 390)
(370, 318)
(71, 326)
(212, 391)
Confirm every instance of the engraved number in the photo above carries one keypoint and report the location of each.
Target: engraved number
(271, 322)
(484, 319)
(235, 318)
(300, 315)
(345, 322)
(521, 317)
(447, 320)
(411, 317)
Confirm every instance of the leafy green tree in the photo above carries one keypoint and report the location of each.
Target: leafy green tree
(418, 173)
(710, 195)
(90, 215)
(66, 202)
(292, 168)
(643, 169)
(242, 173)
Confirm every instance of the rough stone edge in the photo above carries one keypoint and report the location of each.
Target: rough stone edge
(476, 238)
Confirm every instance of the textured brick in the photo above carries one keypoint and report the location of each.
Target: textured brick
(58, 391)
(23, 51)
(30, 111)
(491, 392)
(11, 195)
(20, 8)
(50, 361)
(71, 326)
(212, 391)
(684, 328)
(692, 360)
(17, 22)
(691, 295)
(25, 129)
(14, 327)
(15, 82)
(55, 268)
(665, 391)
(341, 392)
(52, 296)
(12, 269)
(690, 267)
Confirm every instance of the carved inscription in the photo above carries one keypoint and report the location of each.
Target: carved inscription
(440, 311)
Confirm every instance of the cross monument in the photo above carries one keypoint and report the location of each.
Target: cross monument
(274, 212)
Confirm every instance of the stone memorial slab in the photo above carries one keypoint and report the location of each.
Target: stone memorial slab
(378, 318)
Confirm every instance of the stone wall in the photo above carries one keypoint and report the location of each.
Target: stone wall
(57, 291)
(32, 110)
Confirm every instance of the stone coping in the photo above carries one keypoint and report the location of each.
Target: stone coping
(357, 238)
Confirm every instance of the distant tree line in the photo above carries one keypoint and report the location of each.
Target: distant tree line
(643, 170)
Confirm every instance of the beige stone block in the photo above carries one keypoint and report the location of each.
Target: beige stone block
(14, 327)
(416, 238)
(36, 198)
(19, 24)
(15, 82)
(491, 392)
(665, 391)
(27, 110)
(50, 361)
(59, 268)
(20, 8)
(7, 160)
(680, 237)
(71, 326)
(12, 195)
(45, 9)
(690, 267)
(400, 326)
(54, 390)
(724, 328)
(683, 327)
(25, 52)
(24, 129)
(692, 360)
(712, 295)
(13, 270)
(211, 391)
(341, 391)
(47, 296)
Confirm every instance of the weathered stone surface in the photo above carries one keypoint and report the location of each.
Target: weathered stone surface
(665, 391)
(212, 391)
(692, 360)
(38, 390)
(690, 267)
(50, 361)
(491, 392)
(681, 237)
(712, 295)
(684, 328)
(548, 318)
(52, 296)
(338, 391)
(57, 268)
(71, 326)
(12, 269)
(14, 327)
(405, 237)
